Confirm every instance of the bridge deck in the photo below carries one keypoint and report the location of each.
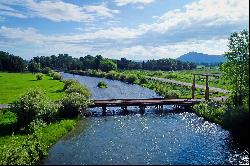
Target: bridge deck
(143, 102)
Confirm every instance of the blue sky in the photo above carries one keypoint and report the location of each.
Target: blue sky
(134, 29)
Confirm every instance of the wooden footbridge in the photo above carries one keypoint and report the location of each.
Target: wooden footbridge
(157, 102)
(142, 103)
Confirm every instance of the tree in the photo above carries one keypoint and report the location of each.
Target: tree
(9, 62)
(34, 67)
(108, 65)
(236, 67)
(98, 59)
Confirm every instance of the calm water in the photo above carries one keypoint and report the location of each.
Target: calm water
(170, 138)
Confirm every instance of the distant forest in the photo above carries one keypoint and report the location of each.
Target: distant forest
(9, 62)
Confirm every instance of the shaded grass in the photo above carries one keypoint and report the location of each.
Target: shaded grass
(14, 84)
(48, 135)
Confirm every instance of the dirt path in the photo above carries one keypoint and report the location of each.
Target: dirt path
(4, 106)
(188, 84)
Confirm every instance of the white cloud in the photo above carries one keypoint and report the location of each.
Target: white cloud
(32, 35)
(100, 10)
(57, 10)
(201, 26)
(173, 50)
(126, 2)
(8, 11)
(202, 13)
(74, 44)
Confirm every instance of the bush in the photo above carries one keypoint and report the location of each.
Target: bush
(39, 76)
(108, 65)
(34, 105)
(110, 75)
(46, 70)
(172, 94)
(143, 80)
(210, 110)
(102, 84)
(26, 152)
(78, 88)
(73, 104)
(7, 120)
(35, 125)
(56, 76)
(123, 77)
(68, 83)
(132, 78)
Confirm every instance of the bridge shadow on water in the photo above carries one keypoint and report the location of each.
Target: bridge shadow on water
(112, 111)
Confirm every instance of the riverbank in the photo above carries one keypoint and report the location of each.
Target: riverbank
(165, 89)
(26, 139)
(214, 111)
(186, 76)
(25, 149)
(169, 138)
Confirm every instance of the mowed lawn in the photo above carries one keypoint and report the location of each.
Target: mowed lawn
(12, 85)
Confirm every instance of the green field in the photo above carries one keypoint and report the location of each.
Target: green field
(12, 85)
(186, 76)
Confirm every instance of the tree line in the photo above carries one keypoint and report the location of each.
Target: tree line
(10, 62)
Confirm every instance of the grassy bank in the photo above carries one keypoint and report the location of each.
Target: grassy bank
(15, 148)
(164, 89)
(35, 121)
(14, 84)
(186, 76)
(228, 116)
(217, 112)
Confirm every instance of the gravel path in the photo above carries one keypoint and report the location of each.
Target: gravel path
(4, 106)
(189, 84)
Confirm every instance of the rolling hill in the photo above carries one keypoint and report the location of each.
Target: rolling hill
(201, 58)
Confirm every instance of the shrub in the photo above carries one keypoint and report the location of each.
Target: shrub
(46, 70)
(73, 104)
(172, 94)
(102, 84)
(132, 78)
(27, 152)
(123, 77)
(68, 83)
(35, 125)
(39, 76)
(211, 111)
(143, 80)
(56, 76)
(108, 65)
(78, 88)
(110, 75)
(34, 105)
(7, 120)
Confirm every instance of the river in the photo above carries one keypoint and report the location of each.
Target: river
(169, 138)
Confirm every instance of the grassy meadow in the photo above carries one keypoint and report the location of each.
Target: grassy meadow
(186, 76)
(25, 140)
(15, 84)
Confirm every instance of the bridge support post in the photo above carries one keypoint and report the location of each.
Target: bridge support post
(193, 87)
(142, 109)
(161, 109)
(124, 110)
(104, 111)
(207, 89)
